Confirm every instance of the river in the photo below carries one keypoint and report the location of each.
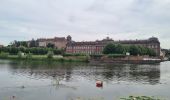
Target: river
(21, 80)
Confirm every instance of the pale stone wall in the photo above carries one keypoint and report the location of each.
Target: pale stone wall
(60, 44)
(42, 44)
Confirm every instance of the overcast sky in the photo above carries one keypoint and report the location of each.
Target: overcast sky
(85, 19)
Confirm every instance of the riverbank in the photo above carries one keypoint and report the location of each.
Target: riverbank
(56, 58)
(125, 59)
(84, 58)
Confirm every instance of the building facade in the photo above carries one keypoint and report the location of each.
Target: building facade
(57, 42)
(96, 47)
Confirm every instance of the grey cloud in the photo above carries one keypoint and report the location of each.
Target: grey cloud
(85, 19)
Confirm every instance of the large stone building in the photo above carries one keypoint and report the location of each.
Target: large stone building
(57, 42)
(96, 47)
(1, 45)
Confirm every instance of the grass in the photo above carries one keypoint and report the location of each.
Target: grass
(58, 58)
(115, 55)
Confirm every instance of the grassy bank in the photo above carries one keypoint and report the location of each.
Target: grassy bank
(57, 58)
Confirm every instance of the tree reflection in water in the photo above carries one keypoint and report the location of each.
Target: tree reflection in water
(141, 73)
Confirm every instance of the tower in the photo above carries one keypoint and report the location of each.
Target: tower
(69, 38)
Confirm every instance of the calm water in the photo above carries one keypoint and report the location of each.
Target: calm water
(77, 81)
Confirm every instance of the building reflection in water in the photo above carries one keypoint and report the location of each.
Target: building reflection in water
(145, 74)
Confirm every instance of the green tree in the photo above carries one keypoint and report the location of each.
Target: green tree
(29, 56)
(50, 54)
(134, 50)
(20, 54)
(151, 52)
(109, 49)
(119, 49)
(50, 45)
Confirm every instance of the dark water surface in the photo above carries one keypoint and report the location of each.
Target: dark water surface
(77, 81)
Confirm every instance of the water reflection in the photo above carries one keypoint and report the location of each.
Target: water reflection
(111, 73)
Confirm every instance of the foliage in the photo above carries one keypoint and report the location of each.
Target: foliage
(19, 44)
(29, 56)
(57, 51)
(33, 50)
(110, 49)
(50, 45)
(87, 59)
(132, 49)
(50, 54)
(20, 54)
(4, 55)
(139, 98)
(76, 54)
(151, 52)
(120, 49)
(114, 49)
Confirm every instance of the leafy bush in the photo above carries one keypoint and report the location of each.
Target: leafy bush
(76, 54)
(29, 56)
(79, 54)
(67, 54)
(109, 49)
(61, 60)
(20, 54)
(4, 55)
(33, 50)
(50, 54)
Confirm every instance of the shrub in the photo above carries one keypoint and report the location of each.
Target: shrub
(67, 54)
(50, 54)
(20, 54)
(61, 59)
(109, 49)
(4, 55)
(29, 56)
(79, 54)
(76, 54)
(87, 59)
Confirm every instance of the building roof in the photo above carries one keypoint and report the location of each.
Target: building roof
(109, 40)
(55, 39)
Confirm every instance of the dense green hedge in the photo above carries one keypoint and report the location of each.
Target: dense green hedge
(4, 55)
(33, 50)
(76, 54)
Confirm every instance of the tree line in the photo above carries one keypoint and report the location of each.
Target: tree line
(112, 48)
(33, 50)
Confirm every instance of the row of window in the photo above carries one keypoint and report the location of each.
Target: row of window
(153, 46)
(85, 47)
(88, 52)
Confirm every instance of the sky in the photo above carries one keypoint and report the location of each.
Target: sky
(85, 20)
